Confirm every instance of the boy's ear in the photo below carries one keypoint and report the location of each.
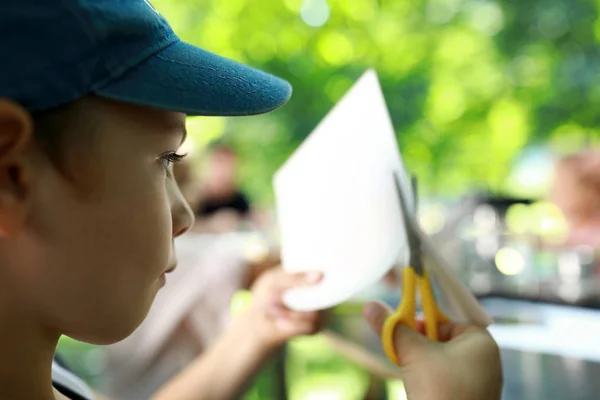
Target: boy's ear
(16, 134)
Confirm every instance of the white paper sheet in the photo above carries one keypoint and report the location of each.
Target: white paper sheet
(338, 208)
(336, 201)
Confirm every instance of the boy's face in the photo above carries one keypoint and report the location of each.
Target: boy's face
(87, 257)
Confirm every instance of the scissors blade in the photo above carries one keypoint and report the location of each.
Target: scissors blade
(410, 224)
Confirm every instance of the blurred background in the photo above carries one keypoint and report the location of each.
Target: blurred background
(495, 105)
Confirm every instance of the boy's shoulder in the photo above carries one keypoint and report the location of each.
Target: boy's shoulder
(67, 383)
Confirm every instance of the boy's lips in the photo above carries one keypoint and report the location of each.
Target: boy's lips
(163, 276)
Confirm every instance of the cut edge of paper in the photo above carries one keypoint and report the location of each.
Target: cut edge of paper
(369, 80)
(460, 304)
(291, 297)
(366, 89)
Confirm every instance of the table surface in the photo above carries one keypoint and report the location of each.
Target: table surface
(529, 375)
(548, 351)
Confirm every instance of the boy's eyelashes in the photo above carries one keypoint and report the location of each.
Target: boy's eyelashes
(169, 159)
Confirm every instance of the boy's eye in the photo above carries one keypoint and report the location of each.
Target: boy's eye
(168, 159)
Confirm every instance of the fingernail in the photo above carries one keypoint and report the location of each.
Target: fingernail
(313, 277)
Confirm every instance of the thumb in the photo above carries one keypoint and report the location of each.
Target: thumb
(409, 344)
(376, 313)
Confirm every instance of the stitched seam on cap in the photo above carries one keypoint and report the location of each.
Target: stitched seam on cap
(195, 66)
(151, 51)
(83, 23)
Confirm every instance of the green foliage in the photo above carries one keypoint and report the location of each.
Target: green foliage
(469, 83)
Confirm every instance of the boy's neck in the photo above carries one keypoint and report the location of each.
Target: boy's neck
(26, 354)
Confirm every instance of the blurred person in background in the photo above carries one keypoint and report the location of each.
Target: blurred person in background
(262, 256)
(221, 205)
(576, 191)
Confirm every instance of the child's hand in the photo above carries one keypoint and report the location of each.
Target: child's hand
(465, 366)
(270, 318)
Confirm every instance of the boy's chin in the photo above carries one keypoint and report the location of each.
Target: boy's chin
(108, 336)
(109, 331)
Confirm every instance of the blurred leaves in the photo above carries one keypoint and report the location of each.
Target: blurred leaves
(469, 83)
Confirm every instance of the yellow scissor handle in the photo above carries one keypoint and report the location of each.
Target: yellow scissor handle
(406, 311)
(433, 315)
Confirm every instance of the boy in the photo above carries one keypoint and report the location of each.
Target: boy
(94, 95)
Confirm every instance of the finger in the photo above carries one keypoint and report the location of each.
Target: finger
(409, 344)
(308, 317)
(300, 322)
(283, 312)
(420, 327)
(376, 313)
(278, 310)
(448, 330)
(462, 330)
(290, 328)
(316, 319)
(444, 329)
(286, 280)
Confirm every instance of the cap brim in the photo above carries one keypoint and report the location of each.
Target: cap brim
(187, 79)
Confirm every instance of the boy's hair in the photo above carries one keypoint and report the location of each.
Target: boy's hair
(54, 128)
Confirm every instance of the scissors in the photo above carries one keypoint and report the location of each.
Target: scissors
(414, 275)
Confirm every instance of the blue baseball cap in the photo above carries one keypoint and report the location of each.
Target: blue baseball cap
(53, 52)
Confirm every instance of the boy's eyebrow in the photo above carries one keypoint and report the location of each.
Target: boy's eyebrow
(180, 126)
(184, 133)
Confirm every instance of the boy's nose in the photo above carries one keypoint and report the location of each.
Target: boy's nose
(183, 217)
